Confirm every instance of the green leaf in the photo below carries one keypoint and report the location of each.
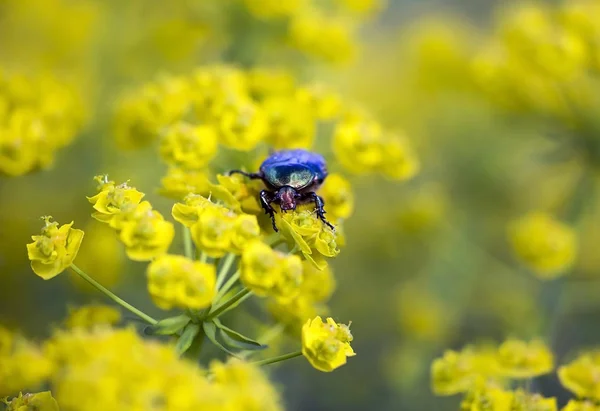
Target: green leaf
(211, 332)
(168, 326)
(187, 338)
(237, 340)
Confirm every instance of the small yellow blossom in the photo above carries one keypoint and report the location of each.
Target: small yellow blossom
(338, 197)
(55, 249)
(575, 405)
(400, 163)
(178, 183)
(241, 124)
(482, 397)
(358, 144)
(580, 376)
(326, 345)
(423, 211)
(263, 82)
(112, 200)
(176, 281)
(363, 7)
(90, 316)
(189, 147)
(293, 313)
(237, 193)
(188, 212)
(291, 123)
(145, 233)
(317, 285)
(544, 244)
(519, 359)
(324, 104)
(268, 272)
(246, 385)
(22, 364)
(422, 314)
(41, 401)
(457, 372)
(270, 9)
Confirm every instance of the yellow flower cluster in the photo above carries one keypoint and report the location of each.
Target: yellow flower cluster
(38, 117)
(543, 60)
(22, 363)
(41, 401)
(545, 245)
(324, 31)
(268, 272)
(91, 316)
(362, 146)
(175, 280)
(459, 372)
(492, 397)
(326, 345)
(580, 375)
(142, 230)
(108, 369)
(216, 230)
(55, 249)
(220, 105)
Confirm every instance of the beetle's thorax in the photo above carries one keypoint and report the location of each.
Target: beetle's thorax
(286, 196)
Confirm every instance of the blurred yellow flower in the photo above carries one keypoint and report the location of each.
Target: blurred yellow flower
(338, 197)
(423, 210)
(294, 313)
(423, 316)
(317, 285)
(92, 315)
(326, 345)
(22, 364)
(41, 401)
(241, 124)
(268, 272)
(580, 376)
(520, 359)
(188, 212)
(246, 386)
(101, 254)
(187, 146)
(291, 123)
(575, 405)
(145, 233)
(324, 103)
(55, 249)
(358, 144)
(178, 183)
(482, 397)
(544, 244)
(270, 9)
(112, 200)
(459, 371)
(176, 281)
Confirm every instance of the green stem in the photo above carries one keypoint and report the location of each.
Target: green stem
(187, 243)
(202, 256)
(242, 294)
(113, 297)
(223, 290)
(278, 358)
(264, 339)
(227, 263)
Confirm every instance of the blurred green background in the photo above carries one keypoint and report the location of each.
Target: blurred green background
(427, 265)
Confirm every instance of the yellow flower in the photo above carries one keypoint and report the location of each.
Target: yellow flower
(55, 249)
(324, 104)
(268, 272)
(212, 233)
(112, 200)
(93, 315)
(423, 210)
(544, 244)
(363, 7)
(338, 197)
(22, 364)
(294, 313)
(41, 401)
(291, 123)
(482, 397)
(575, 405)
(145, 233)
(189, 147)
(580, 376)
(400, 163)
(523, 401)
(518, 359)
(358, 144)
(329, 38)
(245, 230)
(176, 281)
(263, 82)
(305, 230)
(317, 285)
(241, 124)
(245, 385)
(237, 193)
(326, 345)
(270, 9)
(422, 315)
(178, 183)
(101, 249)
(188, 212)
(459, 372)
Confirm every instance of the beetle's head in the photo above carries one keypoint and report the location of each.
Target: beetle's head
(286, 196)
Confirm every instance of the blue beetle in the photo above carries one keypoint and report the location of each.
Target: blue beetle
(291, 177)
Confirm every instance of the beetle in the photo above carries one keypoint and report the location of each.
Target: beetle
(291, 177)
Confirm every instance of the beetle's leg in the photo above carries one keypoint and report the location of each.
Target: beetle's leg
(251, 176)
(266, 198)
(319, 204)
